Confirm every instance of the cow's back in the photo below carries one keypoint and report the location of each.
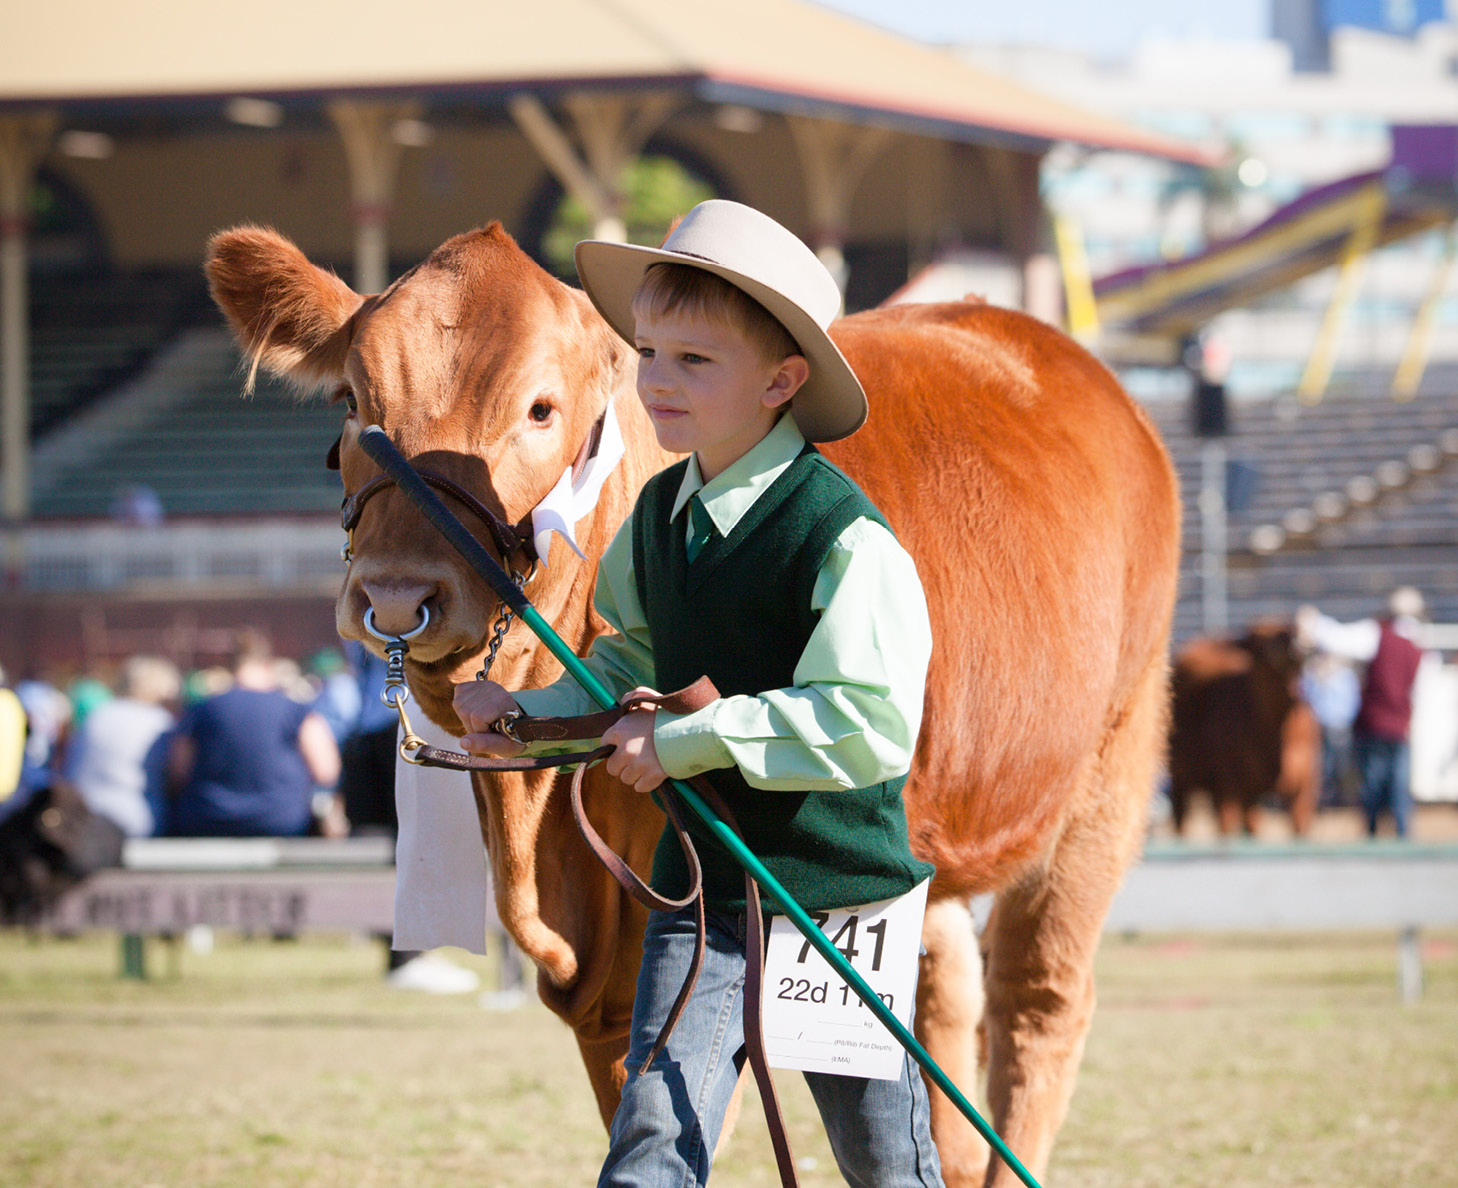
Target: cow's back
(1042, 512)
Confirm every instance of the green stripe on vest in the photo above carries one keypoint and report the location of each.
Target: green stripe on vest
(741, 615)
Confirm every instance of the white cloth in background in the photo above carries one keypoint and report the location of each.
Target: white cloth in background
(442, 887)
(1354, 641)
(441, 883)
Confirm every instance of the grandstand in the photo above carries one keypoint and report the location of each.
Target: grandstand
(144, 132)
(1332, 503)
(133, 382)
(136, 383)
(1363, 490)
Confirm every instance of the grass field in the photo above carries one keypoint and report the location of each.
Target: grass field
(1229, 1061)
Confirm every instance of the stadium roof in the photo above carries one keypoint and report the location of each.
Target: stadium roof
(778, 55)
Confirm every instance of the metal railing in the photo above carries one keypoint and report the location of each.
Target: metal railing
(274, 554)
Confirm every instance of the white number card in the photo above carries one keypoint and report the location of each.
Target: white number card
(813, 1020)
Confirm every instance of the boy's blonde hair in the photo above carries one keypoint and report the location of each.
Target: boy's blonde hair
(681, 288)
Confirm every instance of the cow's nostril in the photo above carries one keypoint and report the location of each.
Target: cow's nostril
(397, 610)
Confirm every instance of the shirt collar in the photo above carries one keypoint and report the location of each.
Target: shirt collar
(735, 490)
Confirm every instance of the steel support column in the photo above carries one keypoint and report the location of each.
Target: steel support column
(833, 158)
(373, 152)
(24, 141)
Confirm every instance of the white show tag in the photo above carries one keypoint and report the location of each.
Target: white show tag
(813, 1020)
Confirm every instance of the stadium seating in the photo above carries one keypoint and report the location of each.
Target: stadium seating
(89, 334)
(183, 427)
(1303, 465)
(136, 382)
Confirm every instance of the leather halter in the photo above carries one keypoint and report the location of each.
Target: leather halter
(695, 696)
(507, 537)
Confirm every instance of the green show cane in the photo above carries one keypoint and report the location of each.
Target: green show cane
(376, 443)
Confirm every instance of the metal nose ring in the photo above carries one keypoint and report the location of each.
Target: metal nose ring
(369, 625)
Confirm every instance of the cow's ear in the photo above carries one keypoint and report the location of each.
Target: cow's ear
(289, 316)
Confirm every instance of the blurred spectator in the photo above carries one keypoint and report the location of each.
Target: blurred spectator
(336, 699)
(12, 744)
(1330, 687)
(136, 504)
(202, 683)
(289, 679)
(85, 694)
(1390, 647)
(47, 715)
(248, 762)
(109, 752)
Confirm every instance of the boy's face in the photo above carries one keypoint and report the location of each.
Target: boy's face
(708, 389)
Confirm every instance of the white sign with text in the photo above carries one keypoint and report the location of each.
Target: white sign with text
(813, 1020)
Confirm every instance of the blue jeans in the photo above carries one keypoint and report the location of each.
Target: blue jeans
(1384, 764)
(668, 1122)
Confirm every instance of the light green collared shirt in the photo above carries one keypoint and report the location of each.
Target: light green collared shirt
(851, 718)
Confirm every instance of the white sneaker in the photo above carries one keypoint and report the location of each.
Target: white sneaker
(431, 973)
(503, 1000)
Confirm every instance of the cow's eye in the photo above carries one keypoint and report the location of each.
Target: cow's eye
(540, 412)
(347, 395)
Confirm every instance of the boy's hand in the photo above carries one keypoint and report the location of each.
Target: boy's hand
(480, 705)
(634, 760)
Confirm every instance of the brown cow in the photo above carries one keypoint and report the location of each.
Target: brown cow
(1240, 732)
(1042, 512)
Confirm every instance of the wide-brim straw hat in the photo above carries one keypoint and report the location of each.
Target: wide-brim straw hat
(753, 252)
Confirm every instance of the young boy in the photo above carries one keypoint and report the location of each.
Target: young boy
(757, 563)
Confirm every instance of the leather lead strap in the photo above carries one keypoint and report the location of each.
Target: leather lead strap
(686, 700)
(756, 944)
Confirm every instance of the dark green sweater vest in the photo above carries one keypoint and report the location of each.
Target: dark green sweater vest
(741, 615)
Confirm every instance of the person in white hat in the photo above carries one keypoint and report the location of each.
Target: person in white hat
(756, 562)
(1391, 649)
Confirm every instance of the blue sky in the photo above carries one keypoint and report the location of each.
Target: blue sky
(1103, 28)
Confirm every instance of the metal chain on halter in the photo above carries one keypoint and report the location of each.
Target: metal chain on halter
(505, 616)
(396, 692)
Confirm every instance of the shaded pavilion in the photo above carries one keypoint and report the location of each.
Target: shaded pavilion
(369, 134)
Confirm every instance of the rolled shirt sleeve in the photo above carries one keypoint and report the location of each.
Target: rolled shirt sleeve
(852, 716)
(1351, 641)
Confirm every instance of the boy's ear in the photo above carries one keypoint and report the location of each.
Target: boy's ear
(789, 376)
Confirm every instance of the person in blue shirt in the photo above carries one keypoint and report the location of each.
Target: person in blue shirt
(247, 762)
(1333, 690)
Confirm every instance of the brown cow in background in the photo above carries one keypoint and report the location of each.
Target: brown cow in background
(1240, 732)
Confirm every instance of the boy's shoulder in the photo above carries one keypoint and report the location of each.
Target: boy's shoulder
(835, 485)
(828, 472)
(810, 478)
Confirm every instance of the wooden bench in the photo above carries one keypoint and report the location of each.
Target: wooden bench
(268, 886)
(292, 885)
